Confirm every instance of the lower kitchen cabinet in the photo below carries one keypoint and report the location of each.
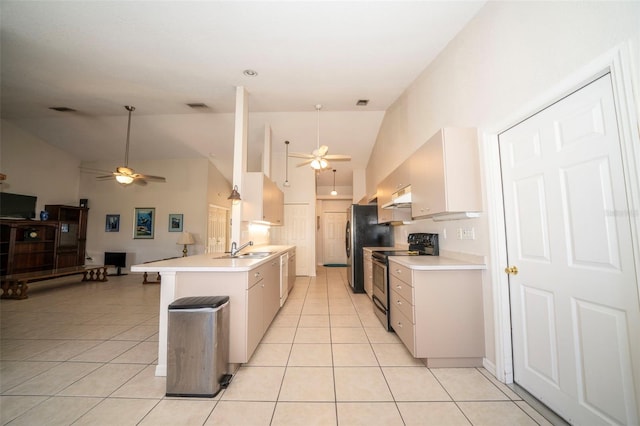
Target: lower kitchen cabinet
(254, 297)
(368, 272)
(438, 314)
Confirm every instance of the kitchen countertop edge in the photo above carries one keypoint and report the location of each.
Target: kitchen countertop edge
(435, 263)
(208, 262)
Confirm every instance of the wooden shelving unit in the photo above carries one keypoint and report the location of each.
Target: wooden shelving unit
(33, 245)
(72, 233)
(27, 246)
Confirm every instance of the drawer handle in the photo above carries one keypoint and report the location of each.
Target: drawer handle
(398, 302)
(257, 274)
(398, 286)
(400, 324)
(398, 271)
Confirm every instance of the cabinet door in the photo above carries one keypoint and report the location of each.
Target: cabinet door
(255, 321)
(368, 273)
(271, 284)
(292, 269)
(428, 193)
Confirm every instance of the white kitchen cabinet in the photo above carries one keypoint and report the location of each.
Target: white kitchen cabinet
(397, 179)
(445, 174)
(255, 319)
(263, 200)
(263, 302)
(292, 268)
(438, 314)
(368, 272)
(271, 298)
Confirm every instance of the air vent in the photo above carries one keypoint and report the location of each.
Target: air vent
(63, 109)
(198, 105)
(362, 102)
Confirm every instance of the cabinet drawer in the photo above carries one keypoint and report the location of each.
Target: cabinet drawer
(256, 275)
(402, 288)
(403, 328)
(402, 305)
(400, 271)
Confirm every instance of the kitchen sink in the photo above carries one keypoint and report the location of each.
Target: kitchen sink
(250, 255)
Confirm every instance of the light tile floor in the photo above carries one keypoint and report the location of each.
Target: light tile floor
(84, 354)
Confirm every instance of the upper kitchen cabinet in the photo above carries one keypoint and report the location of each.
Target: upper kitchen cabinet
(263, 200)
(445, 175)
(398, 181)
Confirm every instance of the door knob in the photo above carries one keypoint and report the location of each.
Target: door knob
(513, 270)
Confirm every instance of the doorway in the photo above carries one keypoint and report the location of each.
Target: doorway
(574, 302)
(218, 229)
(333, 238)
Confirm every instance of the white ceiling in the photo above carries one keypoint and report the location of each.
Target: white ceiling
(97, 56)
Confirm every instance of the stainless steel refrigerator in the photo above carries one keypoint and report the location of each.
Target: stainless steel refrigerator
(363, 231)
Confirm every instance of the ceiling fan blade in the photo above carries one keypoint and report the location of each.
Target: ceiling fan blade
(107, 177)
(337, 157)
(304, 163)
(140, 181)
(150, 178)
(300, 155)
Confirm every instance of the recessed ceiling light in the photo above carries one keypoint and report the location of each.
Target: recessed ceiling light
(63, 109)
(250, 73)
(362, 102)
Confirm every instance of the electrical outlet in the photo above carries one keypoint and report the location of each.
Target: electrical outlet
(466, 233)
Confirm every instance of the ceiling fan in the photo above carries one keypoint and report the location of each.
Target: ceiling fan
(319, 159)
(125, 175)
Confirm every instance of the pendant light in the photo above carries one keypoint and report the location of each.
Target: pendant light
(286, 179)
(235, 195)
(334, 192)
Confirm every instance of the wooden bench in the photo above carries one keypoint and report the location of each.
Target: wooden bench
(16, 286)
(158, 280)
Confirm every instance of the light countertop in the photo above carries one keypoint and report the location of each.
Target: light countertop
(212, 262)
(435, 263)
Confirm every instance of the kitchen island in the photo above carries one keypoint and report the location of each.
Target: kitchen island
(252, 284)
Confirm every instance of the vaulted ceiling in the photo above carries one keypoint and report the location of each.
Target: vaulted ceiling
(97, 56)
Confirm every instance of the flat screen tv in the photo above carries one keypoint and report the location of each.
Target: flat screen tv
(17, 206)
(117, 259)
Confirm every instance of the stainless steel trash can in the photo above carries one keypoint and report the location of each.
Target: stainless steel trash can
(198, 346)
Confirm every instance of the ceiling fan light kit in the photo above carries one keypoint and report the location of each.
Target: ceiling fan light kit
(319, 159)
(124, 175)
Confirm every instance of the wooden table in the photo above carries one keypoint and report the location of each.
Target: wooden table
(15, 286)
(158, 280)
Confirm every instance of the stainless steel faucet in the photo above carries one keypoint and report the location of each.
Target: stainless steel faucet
(235, 249)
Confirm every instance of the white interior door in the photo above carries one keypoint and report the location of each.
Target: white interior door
(294, 232)
(574, 301)
(217, 235)
(333, 236)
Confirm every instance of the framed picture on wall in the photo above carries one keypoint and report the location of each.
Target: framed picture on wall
(112, 223)
(175, 222)
(144, 222)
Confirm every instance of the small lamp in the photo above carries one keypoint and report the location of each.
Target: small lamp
(235, 195)
(186, 239)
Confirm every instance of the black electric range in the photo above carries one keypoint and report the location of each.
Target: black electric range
(420, 244)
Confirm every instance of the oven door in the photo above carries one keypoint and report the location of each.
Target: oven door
(380, 292)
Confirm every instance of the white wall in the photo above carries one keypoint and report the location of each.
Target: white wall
(507, 55)
(191, 185)
(33, 167)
